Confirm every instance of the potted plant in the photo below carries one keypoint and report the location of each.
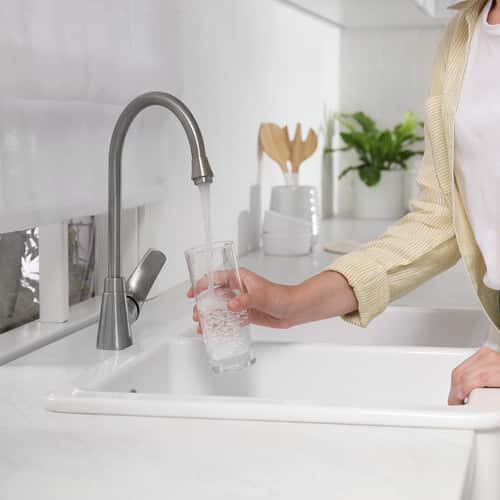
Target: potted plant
(383, 158)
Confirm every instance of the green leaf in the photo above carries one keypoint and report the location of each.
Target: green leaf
(386, 144)
(357, 141)
(408, 125)
(407, 154)
(349, 169)
(367, 124)
(369, 175)
(345, 121)
(328, 151)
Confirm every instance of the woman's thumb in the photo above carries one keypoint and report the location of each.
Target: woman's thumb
(240, 303)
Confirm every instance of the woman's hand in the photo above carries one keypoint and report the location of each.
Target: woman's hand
(282, 306)
(480, 370)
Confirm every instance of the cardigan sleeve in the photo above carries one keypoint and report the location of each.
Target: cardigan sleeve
(421, 245)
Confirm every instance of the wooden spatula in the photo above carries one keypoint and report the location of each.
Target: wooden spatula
(302, 150)
(274, 142)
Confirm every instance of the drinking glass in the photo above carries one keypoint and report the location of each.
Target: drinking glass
(216, 280)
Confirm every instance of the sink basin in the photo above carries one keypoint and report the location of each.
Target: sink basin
(321, 372)
(411, 326)
(291, 381)
(305, 376)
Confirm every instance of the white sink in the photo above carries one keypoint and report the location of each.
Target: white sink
(329, 366)
(305, 376)
(291, 381)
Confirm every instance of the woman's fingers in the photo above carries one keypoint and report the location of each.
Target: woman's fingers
(196, 319)
(457, 391)
(262, 319)
(240, 302)
(480, 370)
(266, 302)
(221, 279)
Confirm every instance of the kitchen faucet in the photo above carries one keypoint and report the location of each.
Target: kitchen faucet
(121, 302)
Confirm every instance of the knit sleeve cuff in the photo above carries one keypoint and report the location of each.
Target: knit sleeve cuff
(369, 282)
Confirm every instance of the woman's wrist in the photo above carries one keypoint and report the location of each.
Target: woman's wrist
(325, 295)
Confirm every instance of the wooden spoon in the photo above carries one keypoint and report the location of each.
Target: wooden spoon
(274, 142)
(302, 150)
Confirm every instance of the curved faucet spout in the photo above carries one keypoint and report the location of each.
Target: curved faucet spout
(201, 171)
(114, 328)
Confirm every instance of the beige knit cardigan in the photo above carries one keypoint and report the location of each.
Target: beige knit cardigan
(433, 236)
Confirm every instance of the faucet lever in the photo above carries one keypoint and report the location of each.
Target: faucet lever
(140, 282)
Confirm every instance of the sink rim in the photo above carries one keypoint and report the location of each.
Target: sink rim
(468, 417)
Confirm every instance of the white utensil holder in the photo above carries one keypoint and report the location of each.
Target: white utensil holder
(287, 244)
(297, 201)
(277, 223)
(292, 178)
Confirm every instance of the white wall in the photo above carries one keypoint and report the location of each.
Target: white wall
(240, 63)
(384, 73)
(69, 68)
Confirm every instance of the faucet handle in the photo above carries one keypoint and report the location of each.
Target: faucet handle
(140, 282)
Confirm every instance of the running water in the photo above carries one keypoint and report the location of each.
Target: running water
(207, 222)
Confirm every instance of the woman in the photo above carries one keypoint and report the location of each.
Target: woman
(456, 214)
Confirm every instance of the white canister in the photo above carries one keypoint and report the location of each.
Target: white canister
(385, 200)
(297, 201)
(287, 244)
(277, 223)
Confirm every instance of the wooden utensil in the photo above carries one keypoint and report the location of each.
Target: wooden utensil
(287, 137)
(302, 150)
(274, 142)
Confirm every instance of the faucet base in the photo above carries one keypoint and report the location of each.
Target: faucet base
(114, 330)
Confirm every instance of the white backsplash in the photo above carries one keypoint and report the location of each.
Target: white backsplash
(68, 69)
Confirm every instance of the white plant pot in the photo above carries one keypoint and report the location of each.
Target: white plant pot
(386, 200)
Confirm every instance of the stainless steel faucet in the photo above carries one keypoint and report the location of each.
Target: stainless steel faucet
(121, 302)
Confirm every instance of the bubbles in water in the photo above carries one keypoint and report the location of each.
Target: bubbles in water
(226, 333)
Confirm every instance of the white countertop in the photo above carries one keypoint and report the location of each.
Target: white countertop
(60, 456)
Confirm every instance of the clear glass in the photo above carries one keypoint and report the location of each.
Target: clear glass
(226, 334)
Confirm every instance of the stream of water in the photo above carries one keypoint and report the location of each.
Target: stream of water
(207, 223)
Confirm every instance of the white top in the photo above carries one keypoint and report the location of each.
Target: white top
(477, 143)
